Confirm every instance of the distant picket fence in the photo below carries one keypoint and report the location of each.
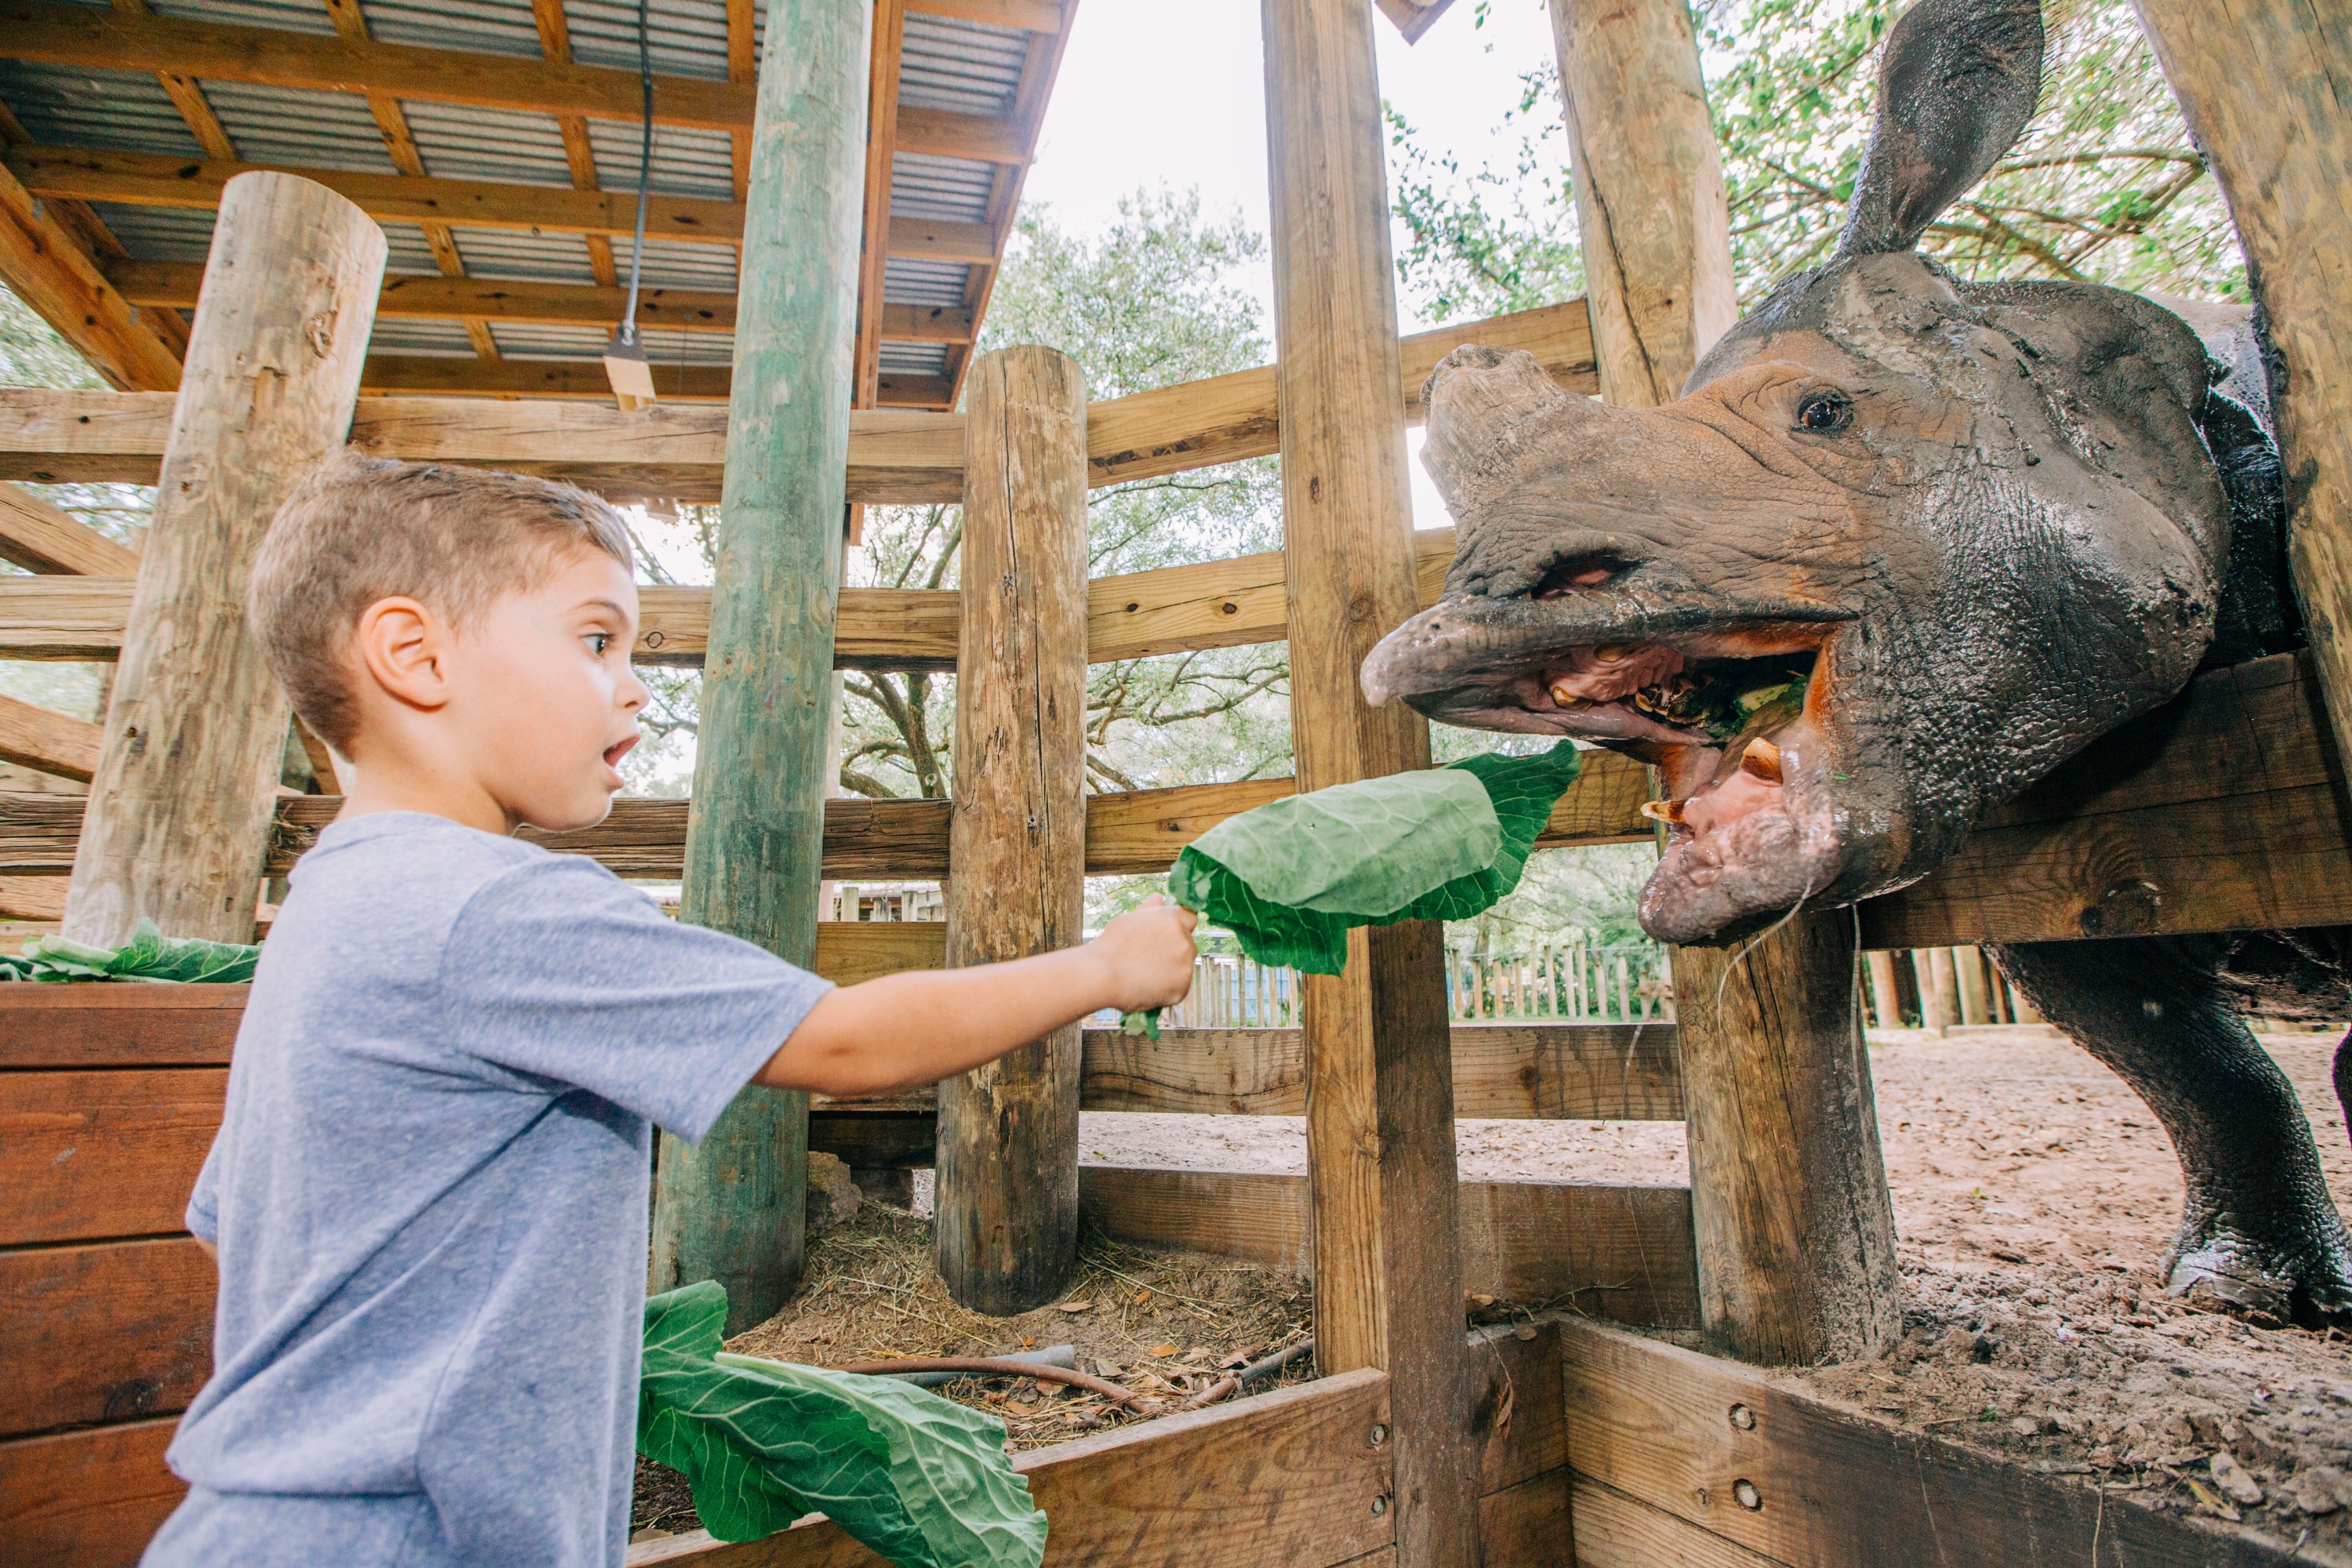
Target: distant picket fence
(1566, 983)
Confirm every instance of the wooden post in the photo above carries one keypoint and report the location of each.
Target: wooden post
(1651, 213)
(1007, 1197)
(730, 1208)
(187, 773)
(1380, 1082)
(2265, 85)
(1886, 999)
(1968, 975)
(1789, 1201)
(1657, 261)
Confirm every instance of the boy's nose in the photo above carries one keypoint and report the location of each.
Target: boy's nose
(635, 694)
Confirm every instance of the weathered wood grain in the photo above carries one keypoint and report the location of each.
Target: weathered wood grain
(1007, 1203)
(87, 1499)
(1614, 1530)
(196, 729)
(43, 538)
(112, 1332)
(86, 1155)
(106, 1025)
(49, 741)
(1284, 1478)
(1655, 1423)
(1621, 1252)
(50, 272)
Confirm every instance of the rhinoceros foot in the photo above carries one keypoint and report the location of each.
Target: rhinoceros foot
(2308, 1283)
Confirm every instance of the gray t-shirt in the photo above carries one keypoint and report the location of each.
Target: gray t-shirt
(430, 1195)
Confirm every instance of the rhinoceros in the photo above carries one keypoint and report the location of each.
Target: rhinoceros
(1904, 543)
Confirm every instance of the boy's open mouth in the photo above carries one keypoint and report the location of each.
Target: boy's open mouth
(619, 748)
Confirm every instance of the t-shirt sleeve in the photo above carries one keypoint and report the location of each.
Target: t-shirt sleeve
(560, 970)
(204, 1202)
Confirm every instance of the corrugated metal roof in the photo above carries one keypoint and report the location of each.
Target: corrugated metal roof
(966, 66)
(538, 340)
(294, 125)
(687, 162)
(407, 336)
(77, 106)
(185, 233)
(689, 38)
(294, 16)
(907, 282)
(672, 264)
(914, 359)
(460, 142)
(950, 190)
(531, 257)
(489, 26)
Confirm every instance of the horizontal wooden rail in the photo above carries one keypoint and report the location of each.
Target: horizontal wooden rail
(896, 457)
(865, 840)
(2222, 811)
(1663, 1441)
(1621, 1252)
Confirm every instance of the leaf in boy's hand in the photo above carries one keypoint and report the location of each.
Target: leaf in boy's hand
(914, 1478)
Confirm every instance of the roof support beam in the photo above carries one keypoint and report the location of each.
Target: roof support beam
(532, 378)
(175, 284)
(146, 179)
(54, 276)
(973, 242)
(1029, 15)
(42, 539)
(272, 57)
(943, 133)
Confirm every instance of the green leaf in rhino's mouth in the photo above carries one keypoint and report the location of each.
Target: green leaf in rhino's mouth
(918, 1479)
(1728, 699)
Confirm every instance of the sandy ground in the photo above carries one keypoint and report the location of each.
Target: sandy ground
(2034, 1195)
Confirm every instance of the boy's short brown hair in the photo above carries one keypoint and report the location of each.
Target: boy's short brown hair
(362, 528)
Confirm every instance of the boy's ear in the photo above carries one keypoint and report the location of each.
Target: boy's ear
(403, 651)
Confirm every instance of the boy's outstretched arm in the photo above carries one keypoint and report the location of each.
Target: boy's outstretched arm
(923, 1026)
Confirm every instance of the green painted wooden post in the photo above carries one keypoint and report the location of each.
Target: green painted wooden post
(730, 1210)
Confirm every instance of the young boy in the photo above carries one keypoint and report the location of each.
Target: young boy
(428, 1197)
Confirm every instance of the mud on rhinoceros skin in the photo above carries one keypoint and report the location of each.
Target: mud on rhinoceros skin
(1904, 544)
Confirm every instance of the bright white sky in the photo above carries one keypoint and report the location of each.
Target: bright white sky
(1143, 102)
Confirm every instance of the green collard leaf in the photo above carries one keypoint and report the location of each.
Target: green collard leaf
(918, 1479)
(147, 955)
(1428, 852)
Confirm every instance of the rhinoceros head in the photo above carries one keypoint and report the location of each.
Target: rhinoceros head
(1903, 543)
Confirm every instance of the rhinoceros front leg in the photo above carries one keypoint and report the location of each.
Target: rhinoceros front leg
(2258, 1230)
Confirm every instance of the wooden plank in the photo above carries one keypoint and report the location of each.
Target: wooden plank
(49, 742)
(2220, 812)
(1614, 1530)
(174, 285)
(948, 133)
(150, 179)
(1621, 1252)
(1517, 1420)
(88, 1156)
(109, 1026)
(1528, 1526)
(939, 239)
(1289, 1477)
(928, 323)
(1576, 1072)
(876, 1140)
(1228, 418)
(850, 950)
(105, 1333)
(1836, 1491)
(43, 538)
(87, 1499)
(51, 273)
(274, 56)
(1029, 16)
(181, 800)
(456, 376)
(2264, 85)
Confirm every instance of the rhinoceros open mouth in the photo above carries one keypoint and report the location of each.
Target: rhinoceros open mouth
(1735, 717)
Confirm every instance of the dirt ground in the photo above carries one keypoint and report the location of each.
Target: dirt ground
(2033, 1196)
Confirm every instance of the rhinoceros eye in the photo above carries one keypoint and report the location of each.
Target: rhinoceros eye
(1825, 413)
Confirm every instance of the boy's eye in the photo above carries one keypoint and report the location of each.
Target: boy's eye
(599, 641)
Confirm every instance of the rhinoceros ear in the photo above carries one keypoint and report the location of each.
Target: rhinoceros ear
(1956, 84)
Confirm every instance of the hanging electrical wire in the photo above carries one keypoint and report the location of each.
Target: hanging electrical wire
(625, 364)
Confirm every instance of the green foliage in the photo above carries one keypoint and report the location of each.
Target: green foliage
(918, 1479)
(1405, 859)
(148, 955)
(2104, 185)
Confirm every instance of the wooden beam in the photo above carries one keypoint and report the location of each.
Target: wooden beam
(92, 1495)
(890, 29)
(1029, 16)
(1379, 1106)
(1227, 418)
(928, 323)
(150, 179)
(936, 239)
(64, 287)
(180, 808)
(975, 137)
(97, 1332)
(2265, 85)
(47, 742)
(175, 284)
(1413, 17)
(273, 56)
(1617, 1251)
(584, 378)
(730, 1206)
(895, 390)
(46, 538)
(1007, 1204)
(1664, 1426)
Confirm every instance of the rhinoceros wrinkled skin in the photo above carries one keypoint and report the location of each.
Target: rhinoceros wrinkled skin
(1904, 544)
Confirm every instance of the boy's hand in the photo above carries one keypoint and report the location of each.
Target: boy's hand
(1149, 953)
